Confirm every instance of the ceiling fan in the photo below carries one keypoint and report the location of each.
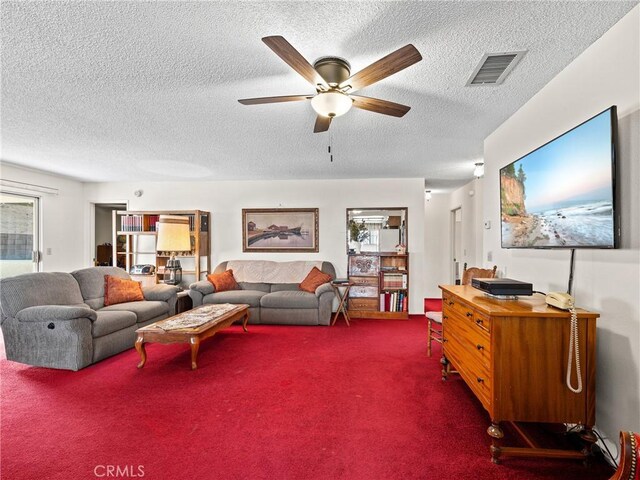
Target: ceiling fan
(334, 84)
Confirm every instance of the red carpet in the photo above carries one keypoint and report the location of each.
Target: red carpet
(276, 403)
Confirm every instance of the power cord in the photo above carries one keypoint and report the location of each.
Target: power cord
(613, 459)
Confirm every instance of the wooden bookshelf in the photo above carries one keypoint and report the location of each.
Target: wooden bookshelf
(376, 274)
(134, 243)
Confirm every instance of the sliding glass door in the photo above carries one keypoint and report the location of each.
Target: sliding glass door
(19, 249)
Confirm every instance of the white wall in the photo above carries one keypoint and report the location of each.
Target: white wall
(225, 201)
(438, 233)
(438, 244)
(606, 281)
(62, 227)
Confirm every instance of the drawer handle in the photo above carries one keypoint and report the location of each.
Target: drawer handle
(445, 340)
(479, 322)
(469, 314)
(444, 317)
(480, 380)
(450, 303)
(480, 347)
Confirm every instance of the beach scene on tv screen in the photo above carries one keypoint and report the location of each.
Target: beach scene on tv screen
(561, 195)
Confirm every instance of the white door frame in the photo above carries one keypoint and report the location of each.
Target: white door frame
(37, 225)
(90, 250)
(454, 263)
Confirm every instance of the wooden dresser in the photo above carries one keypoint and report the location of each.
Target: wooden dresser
(513, 356)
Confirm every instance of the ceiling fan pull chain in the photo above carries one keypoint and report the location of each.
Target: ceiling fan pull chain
(330, 143)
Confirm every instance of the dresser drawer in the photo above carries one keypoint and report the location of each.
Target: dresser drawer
(460, 311)
(364, 281)
(369, 304)
(457, 306)
(359, 292)
(482, 322)
(476, 376)
(476, 348)
(468, 329)
(364, 264)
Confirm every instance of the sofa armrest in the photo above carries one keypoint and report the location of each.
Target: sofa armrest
(325, 304)
(325, 287)
(160, 292)
(198, 290)
(47, 313)
(205, 287)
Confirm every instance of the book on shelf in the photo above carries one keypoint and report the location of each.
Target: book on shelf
(131, 223)
(396, 301)
(394, 281)
(153, 220)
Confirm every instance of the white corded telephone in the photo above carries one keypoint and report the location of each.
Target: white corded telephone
(566, 302)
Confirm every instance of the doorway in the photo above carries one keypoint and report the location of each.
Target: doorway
(103, 232)
(456, 247)
(19, 234)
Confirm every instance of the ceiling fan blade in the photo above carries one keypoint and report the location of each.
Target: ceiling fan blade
(284, 98)
(294, 59)
(394, 62)
(322, 124)
(379, 106)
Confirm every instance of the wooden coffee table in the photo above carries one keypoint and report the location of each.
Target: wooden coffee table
(193, 336)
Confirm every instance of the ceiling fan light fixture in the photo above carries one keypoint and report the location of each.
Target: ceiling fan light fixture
(331, 104)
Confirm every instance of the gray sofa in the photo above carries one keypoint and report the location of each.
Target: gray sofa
(59, 320)
(272, 302)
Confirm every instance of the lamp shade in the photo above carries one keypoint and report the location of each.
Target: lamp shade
(331, 104)
(173, 234)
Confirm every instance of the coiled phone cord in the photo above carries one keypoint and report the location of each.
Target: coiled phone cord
(574, 348)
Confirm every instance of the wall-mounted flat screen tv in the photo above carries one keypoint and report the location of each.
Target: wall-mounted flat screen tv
(562, 195)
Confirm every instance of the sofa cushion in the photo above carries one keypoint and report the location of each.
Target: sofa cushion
(261, 287)
(314, 279)
(289, 299)
(91, 281)
(111, 321)
(121, 290)
(271, 272)
(280, 287)
(223, 282)
(144, 310)
(250, 297)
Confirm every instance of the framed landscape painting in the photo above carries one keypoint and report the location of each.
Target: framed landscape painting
(280, 230)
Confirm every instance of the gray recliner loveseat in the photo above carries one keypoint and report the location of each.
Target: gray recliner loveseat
(271, 291)
(59, 320)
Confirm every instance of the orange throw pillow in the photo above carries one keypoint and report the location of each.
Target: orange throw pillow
(223, 281)
(121, 290)
(314, 280)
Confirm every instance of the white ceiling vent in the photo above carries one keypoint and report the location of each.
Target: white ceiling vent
(494, 68)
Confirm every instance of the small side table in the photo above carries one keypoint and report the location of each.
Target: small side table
(184, 302)
(342, 297)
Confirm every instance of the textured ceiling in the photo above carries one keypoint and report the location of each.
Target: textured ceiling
(109, 91)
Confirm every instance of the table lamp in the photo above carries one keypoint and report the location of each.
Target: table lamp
(173, 237)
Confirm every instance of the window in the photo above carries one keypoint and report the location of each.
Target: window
(19, 249)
